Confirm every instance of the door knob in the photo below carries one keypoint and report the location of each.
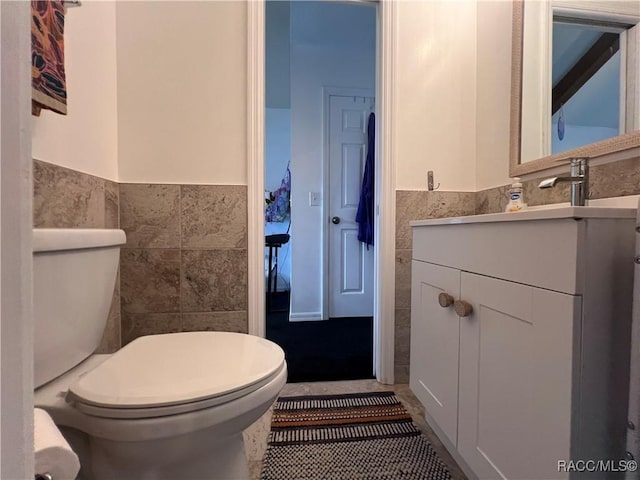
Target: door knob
(335, 220)
(462, 308)
(445, 300)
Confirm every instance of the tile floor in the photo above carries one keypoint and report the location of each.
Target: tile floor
(255, 437)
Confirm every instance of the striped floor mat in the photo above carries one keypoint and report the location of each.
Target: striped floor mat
(354, 436)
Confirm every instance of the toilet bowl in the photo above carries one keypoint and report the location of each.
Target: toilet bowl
(169, 406)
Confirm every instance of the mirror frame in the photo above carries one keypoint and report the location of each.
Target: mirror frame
(620, 143)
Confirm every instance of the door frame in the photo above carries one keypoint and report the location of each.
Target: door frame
(327, 93)
(16, 230)
(384, 247)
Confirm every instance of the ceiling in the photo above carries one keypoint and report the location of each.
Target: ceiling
(333, 24)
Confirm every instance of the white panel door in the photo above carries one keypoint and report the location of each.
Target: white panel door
(515, 378)
(434, 344)
(350, 263)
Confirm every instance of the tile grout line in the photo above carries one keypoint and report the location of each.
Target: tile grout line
(180, 273)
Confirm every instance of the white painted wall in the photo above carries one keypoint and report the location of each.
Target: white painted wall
(318, 62)
(277, 69)
(277, 145)
(493, 93)
(182, 92)
(85, 139)
(435, 116)
(277, 122)
(179, 117)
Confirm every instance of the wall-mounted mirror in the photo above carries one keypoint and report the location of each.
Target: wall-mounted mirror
(575, 81)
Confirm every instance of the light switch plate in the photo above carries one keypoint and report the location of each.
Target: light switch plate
(314, 199)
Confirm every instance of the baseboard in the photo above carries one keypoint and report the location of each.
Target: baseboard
(305, 317)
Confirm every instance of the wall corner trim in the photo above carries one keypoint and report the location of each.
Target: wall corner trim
(255, 164)
(384, 309)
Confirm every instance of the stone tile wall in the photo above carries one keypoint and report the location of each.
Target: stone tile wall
(64, 198)
(184, 266)
(616, 179)
(185, 263)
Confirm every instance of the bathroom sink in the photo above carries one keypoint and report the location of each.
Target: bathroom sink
(543, 212)
(547, 207)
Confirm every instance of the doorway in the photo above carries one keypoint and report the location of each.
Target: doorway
(320, 84)
(385, 206)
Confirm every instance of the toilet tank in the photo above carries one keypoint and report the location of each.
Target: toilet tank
(74, 274)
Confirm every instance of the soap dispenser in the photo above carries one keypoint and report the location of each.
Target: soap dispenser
(516, 202)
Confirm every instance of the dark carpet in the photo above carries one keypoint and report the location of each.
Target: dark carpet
(358, 436)
(334, 349)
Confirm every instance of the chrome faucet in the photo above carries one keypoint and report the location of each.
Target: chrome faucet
(579, 178)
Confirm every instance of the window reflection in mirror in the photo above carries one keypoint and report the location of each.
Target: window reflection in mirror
(579, 76)
(586, 88)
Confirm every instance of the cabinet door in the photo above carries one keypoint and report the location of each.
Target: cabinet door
(515, 378)
(434, 344)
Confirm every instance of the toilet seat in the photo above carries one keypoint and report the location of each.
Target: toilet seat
(176, 373)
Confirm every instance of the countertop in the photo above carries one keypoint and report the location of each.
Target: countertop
(534, 213)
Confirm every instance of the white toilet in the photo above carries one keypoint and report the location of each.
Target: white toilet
(167, 406)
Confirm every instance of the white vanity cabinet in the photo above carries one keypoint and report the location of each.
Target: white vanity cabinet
(535, 371)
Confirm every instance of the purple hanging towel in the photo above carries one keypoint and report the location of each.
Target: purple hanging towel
(364, 216)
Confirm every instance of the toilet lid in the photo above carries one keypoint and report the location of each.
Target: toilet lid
(178, 368)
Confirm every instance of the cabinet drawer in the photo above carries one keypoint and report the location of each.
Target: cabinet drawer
(502, 251)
